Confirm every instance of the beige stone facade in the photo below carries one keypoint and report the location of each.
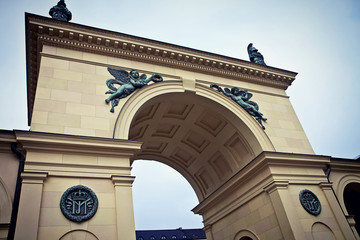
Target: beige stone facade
(247, 179)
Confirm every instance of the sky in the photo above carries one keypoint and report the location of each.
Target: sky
(318, 39)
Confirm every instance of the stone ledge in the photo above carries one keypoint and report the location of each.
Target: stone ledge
(61, 143)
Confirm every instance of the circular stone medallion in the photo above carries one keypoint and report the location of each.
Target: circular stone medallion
(78, 203)
(310, 202)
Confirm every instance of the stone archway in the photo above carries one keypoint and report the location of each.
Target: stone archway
(351, 199)
(204, 136)
(340, 186)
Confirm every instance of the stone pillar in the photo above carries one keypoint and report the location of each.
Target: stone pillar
(29, 206)
(285, 212)
(124, 207)
(352, 224)
(208, 230)
(336, 209)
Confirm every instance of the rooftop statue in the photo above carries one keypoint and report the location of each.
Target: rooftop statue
(128, 82)
(254, 55)
(60, 12)
(242, 97)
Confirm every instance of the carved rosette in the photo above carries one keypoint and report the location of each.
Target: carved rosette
(78, 203)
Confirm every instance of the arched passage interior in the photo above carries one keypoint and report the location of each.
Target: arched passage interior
(200, 138)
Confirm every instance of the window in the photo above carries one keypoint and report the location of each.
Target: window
(152, 238)
(140, 238)
(163, 238)
(173, 237)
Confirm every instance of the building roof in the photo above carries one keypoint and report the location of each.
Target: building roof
(170, 234)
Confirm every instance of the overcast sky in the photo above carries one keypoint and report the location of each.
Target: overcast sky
(317, 39)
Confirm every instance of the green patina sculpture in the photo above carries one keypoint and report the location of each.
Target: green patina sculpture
(60, 12)
(128, 81)
(242, 97)
(254, 55)
(79, 203)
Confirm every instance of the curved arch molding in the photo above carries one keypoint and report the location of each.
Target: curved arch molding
(138, 99)
(340, 187)
(203, 135)
(79, 234)
(245, 234)
(5, 203)
(320, 231)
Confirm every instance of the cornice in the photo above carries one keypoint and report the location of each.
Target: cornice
(346, 165)
(6, 138)
(79, 170)
(269, 180)
(41, 30)
(30, 177)
(122, 180)
(40, 142)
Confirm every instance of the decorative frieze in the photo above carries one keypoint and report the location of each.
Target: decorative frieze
(41, 30)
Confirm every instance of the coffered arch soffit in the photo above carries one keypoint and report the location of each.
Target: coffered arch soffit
(201, 134)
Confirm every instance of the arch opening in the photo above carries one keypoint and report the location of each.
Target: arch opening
(203, 140)
(162, 198)
(351, 200)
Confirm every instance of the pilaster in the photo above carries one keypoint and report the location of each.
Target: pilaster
(208, 231)
(277, 191)
(30, 204)
(352, 224)
(337, 211)
(124, 207)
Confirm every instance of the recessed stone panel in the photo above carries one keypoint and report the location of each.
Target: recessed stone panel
(239, 148)
(146, 114)
(220, 165)
(205, 180)
(183, 157)
(211, 123)
(154, 147)
(138, 133)
(178, 110)
(196, 141)
(165, 130)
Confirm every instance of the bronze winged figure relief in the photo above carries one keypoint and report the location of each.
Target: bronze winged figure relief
(242, 97)
(128, 81)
